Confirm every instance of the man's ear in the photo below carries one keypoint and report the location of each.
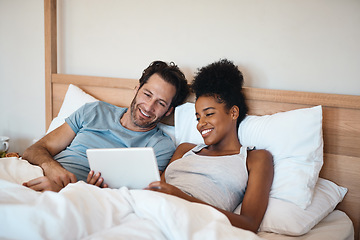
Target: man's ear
(169, 111)
(136, 89)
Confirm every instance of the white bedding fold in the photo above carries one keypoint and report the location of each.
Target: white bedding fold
(83, 211)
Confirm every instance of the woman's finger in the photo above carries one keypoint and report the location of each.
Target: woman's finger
(90, 175)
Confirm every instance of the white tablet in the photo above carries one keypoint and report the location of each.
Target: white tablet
(134, 168)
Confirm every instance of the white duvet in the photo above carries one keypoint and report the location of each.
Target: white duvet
(83, 211)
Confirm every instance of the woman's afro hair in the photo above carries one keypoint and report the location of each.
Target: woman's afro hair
(222, 80)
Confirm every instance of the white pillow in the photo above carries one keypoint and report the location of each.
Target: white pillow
(185, 125)
(286, 218)
(74, 99)
(294, 138)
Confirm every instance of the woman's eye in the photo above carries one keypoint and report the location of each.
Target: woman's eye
(209, 114)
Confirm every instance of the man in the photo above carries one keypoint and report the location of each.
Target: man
(62, 153)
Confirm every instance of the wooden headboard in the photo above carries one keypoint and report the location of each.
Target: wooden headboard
(341, 114)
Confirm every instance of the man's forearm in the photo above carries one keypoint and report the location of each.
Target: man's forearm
(42, 154)
(39, 155)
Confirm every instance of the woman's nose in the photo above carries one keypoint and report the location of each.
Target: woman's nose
(201, 122)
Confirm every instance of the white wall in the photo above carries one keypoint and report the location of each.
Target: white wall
(309, 45)
(306, 45)
(22, 87)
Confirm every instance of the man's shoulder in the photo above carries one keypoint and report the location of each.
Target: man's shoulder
(161, 137)
(102, 105)
(166, 130)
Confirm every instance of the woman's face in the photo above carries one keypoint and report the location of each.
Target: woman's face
(214, 120)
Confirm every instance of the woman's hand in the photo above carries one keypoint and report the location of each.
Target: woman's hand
(96, 179)
(164, 187)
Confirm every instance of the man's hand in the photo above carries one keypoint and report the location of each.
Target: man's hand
(42, 184)
(41, 154)
(56, 177)
(55, 172)
(96, 179)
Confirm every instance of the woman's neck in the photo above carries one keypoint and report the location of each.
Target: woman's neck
(229, 146)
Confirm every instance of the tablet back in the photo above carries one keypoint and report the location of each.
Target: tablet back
(134, 168)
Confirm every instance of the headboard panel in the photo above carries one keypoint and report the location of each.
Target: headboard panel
(112, 90)
(341, 114)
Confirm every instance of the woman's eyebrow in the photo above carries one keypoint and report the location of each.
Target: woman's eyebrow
(205, 109)
(208, 108)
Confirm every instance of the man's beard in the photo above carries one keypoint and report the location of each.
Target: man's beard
(139, 123)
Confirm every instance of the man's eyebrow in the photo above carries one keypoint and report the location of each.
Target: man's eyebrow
(160, 99)
(147, 90)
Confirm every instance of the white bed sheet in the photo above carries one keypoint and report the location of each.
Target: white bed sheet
(83, 211)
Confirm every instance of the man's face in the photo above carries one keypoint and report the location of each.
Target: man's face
(151, 103)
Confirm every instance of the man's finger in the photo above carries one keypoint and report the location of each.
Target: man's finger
(33, 182)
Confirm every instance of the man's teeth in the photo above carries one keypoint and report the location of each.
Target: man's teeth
(206, 131)
(144, 113)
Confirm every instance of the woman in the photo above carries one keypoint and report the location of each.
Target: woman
(218, 172)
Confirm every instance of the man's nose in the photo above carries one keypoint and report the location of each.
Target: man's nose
(150, 105)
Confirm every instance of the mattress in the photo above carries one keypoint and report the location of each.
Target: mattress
(337, 225)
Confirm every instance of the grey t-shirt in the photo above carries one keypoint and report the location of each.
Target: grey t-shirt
(97, 125)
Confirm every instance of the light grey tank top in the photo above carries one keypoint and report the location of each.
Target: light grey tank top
(218, 180)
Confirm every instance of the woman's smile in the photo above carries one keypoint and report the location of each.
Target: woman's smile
(206, 132)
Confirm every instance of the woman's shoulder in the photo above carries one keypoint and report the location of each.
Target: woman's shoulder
(181, 150)
(260, 156)
(185, 147)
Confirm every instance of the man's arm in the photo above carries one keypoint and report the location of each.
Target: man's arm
(41, 153)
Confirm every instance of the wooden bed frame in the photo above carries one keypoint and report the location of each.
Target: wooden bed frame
(341, 114)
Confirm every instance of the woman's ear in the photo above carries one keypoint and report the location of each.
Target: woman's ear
(234, 111)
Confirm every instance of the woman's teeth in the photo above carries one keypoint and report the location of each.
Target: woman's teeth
(206, 131)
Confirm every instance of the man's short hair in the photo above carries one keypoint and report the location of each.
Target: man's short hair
(171, 74)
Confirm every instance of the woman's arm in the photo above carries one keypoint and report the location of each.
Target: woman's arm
(256, 198)
(261, 172)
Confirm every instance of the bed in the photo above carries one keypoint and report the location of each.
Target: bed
(337, 120)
